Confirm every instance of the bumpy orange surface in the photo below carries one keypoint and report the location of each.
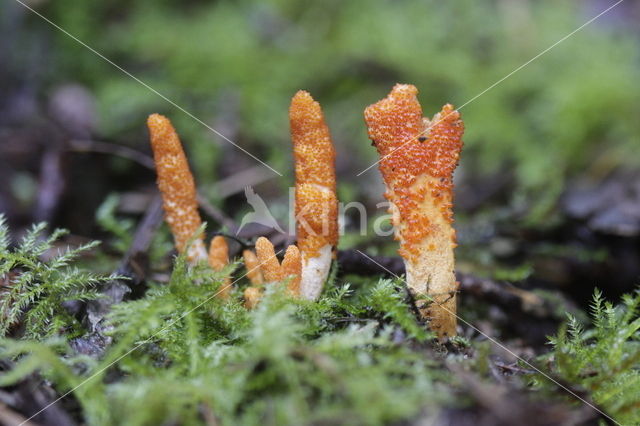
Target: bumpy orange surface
(316, 201)
(272, 270)
(411, 147)
(174, 180)
(292, 267)
(253, 267)
(218, 259)
(269, 264)
(218, 253)
(252, 296)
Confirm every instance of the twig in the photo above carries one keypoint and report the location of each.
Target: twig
(215, 213)
(513, 368)
(29, 396)
(10, 417)
(51, 187)
(243, 243)
(142, 240)
(131, 266)
(79, 145)
(494, 292)
(237, 182)
(505, 405)
(352, 262)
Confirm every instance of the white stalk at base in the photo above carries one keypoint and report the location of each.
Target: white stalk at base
(315, 271)
(196, 252)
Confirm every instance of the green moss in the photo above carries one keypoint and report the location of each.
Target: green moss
(604, 358)
(179, 353)
(357, 356)
(40, 289)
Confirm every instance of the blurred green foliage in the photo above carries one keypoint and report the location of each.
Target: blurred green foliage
(236, 64)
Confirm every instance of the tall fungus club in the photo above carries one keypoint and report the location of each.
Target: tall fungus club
(417, 160)
(179, 198)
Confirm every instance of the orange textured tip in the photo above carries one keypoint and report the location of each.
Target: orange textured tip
(252, 296)
(418, 157)
(292, 268)
(218, 253)
(218, 259)
(253, 267)
(175, 182)
(316, 202)
(269, 265)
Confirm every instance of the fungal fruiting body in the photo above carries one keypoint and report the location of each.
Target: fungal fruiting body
(418, 157)
(271, 270)
(269, 264)
(177, 186)
(253, 293)
(292, 269)
(316, 203)
(252, 296)
(218, 259)
(253, 267)
(306, 265)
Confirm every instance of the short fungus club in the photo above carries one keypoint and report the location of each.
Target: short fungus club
(272, 271)
(218, 259)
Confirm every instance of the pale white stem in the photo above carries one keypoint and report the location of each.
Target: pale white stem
(197, 252)
(315, 271)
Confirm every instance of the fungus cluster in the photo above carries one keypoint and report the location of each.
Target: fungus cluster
(269, 270)
(418, 157)
(306, 265)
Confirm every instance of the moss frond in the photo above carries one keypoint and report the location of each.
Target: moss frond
(603, 358)
(42, 283)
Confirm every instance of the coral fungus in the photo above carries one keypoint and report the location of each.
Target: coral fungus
(218, 259)
(177, 186)
(316, 206)
(271, 270)
(418, 157)
(253, 267)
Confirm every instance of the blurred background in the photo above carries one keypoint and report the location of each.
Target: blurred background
(548, 191)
